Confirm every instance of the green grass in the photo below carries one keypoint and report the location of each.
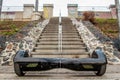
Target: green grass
(110, 31)
(108, 26)
(8, 28)
(110, 21)
(13, 29)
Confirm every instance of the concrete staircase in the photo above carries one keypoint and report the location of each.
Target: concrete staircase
(48, 45)
(112, 73)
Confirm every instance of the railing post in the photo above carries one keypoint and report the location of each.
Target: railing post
(60, 18)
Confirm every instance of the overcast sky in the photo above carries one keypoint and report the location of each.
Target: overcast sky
(59, 4)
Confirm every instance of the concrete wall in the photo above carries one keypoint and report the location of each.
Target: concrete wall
(47, 11)
(18, 16)
(28, 11)
(113, 13)
(72, 10)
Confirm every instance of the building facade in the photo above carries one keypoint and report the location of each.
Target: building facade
(25, 14)
(98, 14)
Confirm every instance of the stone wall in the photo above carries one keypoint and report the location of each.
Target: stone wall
(96, 39)
(27, 43)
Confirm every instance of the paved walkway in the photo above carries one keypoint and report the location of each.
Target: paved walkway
(113, 73)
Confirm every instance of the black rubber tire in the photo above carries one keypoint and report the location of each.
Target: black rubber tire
(18, 70)
(101, 70)
(12, 59)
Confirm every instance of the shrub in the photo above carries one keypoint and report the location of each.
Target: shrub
(89, 16)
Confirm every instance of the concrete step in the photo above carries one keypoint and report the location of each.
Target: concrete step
(46, 50)
(80, 54)
(49, 34)
(56, 47)
(56, 43)
(60, 56)
(60, 53)
(74, 50)
(72, 36)
(51, 26)
(62, 33)
(55, 29)
(46, 46)
(67, 31)
(68, 28)
(50, 31)
(64, 38)
(56, 39)
(50, 38)
(64, 50)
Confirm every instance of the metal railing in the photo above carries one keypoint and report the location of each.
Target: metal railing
(60, 36)
(60, 39)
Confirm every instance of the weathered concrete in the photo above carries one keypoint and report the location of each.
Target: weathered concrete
(73, 45)
(36, 16)
(72, 10)
(48, 11)
(28, 11)
(112, 73)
